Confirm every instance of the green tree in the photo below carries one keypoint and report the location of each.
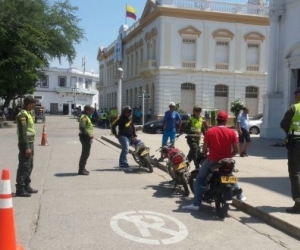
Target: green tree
(236, 107)
(32, 32)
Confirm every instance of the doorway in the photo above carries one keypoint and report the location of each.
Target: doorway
(65, 109)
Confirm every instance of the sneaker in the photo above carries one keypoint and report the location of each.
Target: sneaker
(241, 198)
(192, 207)
(242, 154)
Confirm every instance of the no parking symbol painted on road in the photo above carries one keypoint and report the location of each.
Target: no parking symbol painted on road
(147, 221)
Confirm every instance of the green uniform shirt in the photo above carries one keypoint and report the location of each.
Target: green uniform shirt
(25, 128)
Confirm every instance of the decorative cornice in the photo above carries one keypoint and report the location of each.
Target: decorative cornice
(151, 34)
(190, 30)
(254, 36)
(223, 33)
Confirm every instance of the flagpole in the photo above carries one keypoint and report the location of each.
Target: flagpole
(126, 14)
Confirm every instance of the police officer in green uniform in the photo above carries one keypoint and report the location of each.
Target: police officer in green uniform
(194, 129)
(86, 136)
(26, 136)
(291, 125)
(104, 119)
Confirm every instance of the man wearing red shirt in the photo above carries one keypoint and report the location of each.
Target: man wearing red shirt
(222, 142)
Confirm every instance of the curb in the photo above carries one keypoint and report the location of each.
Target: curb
(251, 210)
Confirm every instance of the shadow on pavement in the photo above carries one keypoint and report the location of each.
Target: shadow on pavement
(115, 169)
(207, 211)
(165, 190)
(265, 148)
(65, 174)
(276, 184)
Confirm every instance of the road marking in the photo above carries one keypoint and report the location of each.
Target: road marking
(141, 220)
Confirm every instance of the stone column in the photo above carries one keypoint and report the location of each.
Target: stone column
(273, 99)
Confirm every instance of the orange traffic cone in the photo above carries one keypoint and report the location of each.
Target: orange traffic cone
(44, 141)
(7, 224)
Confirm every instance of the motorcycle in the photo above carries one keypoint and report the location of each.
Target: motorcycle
(219, 185)
(141, 155)
(177, 166)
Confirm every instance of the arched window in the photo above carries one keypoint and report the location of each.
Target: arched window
(188, 86)
(221, 90)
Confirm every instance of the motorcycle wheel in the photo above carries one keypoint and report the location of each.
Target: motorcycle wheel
(185, 184)
(192, 179)
(147, 163)
(221, 208)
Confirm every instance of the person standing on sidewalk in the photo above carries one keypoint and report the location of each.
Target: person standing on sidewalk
(194, 129)
(221, 142)
(26, 137)
(126, 134)
(86, 136)
(243, 130)
(170, 121)
(291, 125)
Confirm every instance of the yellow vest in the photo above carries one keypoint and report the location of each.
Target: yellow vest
(89, 125)
(196, 124)
(295, 125)
(30, 125)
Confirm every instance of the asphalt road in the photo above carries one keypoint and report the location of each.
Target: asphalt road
(111, 209)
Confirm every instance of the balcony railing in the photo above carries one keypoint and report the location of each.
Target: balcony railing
(187, 64)
(147, 66)
(222, 66)
(204, 5)
(78, 90)
(253, 68)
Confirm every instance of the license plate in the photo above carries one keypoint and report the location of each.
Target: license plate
(180, 166)
(146, 151)
(228, 179)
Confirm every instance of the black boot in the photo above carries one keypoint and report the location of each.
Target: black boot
(295, 209)
(86, 170)
(30, 190)
(21, 192)
(83, 171)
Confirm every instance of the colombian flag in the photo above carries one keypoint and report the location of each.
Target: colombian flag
(130, 12)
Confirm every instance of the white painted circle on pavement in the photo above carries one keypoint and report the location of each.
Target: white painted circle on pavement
(145, 220)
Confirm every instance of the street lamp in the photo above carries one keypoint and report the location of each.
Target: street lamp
(120, 74)
(74, 90)
(143, 108)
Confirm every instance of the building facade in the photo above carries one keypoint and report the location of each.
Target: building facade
(284, 67)
(203, 53)
(60, 90)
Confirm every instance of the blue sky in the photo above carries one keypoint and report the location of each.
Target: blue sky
(101, 20)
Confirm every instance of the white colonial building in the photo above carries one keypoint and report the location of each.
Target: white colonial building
(190, 52)
(284, 67)
(60, 90)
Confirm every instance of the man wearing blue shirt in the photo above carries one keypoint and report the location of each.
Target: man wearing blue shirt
(171, 119)
(243, 130)
(170, 123)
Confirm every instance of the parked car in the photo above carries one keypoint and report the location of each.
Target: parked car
(156, 127)
(255, 124)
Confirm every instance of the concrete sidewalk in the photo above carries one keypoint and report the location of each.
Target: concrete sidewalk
(263, 176)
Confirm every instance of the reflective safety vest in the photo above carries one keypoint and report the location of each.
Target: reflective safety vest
(295, 125)
(103, 116)
(89, 126)
(196, 124)
(30, 125)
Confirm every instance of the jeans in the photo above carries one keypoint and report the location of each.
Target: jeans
(124, 141)
(168, 134)
(200, 184)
